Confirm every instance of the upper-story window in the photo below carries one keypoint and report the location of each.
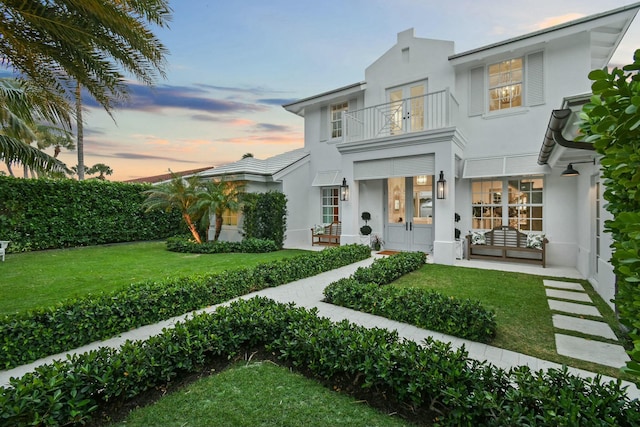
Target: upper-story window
(512, 83)
(336, 118)
(505, 84)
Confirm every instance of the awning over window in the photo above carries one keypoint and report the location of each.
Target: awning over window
(395, 166)
(503, 166)
(326, 179)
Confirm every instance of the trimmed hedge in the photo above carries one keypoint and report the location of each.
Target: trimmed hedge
(251, 245)
(265, 216)
(26, 337)
(432, 378)
(363, 291)
(40, 214)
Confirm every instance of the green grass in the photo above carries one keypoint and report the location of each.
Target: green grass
(41, 279)
(523, 316)
(258, 394)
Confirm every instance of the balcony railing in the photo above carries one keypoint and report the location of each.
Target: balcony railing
(421, 113)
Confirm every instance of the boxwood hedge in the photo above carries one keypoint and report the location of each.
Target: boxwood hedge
(26, 337)
(364, 291)
(44, 214)
(431, 378)
(251, 245)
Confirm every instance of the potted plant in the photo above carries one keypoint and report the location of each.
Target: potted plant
(457, 232)
(365, 230)
(376, 242)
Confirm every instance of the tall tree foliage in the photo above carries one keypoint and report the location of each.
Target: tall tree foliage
(179, 194)
(66, 45)
(611, 120)
(215, 198)
(27, 114)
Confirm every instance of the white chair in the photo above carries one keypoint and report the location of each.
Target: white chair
(3, 247)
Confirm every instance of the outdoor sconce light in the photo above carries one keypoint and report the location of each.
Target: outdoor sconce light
(570, 171)
(441, 186)
(344, 190)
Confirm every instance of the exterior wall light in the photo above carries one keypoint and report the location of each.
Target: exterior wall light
(441, 186)
(570, 171)
(344, 190)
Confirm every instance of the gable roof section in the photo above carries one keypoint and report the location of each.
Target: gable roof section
(606, 29)
(252, 169)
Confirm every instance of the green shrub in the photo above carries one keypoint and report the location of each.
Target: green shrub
(40, 214)
(431, 378)
(363, 291)
(26, 337)
(265, 216)
(185, 244)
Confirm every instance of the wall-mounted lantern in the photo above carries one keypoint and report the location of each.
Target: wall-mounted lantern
(344, 190)
(441, 186)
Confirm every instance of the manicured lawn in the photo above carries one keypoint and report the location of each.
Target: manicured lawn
(520, 303)
(258, 394)
(44, 278)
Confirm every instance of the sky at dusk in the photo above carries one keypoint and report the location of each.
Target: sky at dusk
(232, 65)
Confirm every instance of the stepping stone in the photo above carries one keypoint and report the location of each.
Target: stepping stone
(574, 296)
(586, 326)
(563, 285)
(592, 351)
(573, 308)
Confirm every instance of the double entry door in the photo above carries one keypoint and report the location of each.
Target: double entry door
(409, 213)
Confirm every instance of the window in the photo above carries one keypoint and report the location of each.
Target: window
(487, 203)
(330, 201)
(336, 119)
(522, 208)
(505, 84)
(230, 218)
(525, 204)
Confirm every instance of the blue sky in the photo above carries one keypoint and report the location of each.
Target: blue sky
(233, 64)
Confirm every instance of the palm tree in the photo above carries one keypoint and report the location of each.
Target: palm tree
(64, 46)
(100, 168)
(179, 193)
(216, 198)
(28, 113)
(61, 44)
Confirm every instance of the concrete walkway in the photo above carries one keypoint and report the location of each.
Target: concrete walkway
(308, 293)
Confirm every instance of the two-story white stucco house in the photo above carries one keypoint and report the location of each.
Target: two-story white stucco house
(480, 121)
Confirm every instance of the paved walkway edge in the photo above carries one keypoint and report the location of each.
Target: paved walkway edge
(308, 293)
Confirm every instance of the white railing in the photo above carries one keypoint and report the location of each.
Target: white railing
(426, 112)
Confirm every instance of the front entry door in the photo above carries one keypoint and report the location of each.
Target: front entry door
(409, 216)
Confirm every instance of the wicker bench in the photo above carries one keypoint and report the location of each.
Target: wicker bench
(329, 236)
(507, 244)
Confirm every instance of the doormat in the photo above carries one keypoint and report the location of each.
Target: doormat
(388, 252)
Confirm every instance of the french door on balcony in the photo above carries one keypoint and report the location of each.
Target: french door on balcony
(406, 108)
(409, 216)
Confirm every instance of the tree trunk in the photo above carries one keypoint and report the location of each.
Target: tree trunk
(192, 228)
(79, 130)
(218, 227)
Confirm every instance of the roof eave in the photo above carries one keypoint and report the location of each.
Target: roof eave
(299, 106)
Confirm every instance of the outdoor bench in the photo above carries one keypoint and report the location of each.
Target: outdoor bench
(328, 235)
(3, 248)
(507, 244)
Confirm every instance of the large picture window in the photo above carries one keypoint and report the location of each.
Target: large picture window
(505, 84)
(330, 204)
(514, 202)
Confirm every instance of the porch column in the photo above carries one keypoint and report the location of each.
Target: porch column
(349, 214)
(444, 237)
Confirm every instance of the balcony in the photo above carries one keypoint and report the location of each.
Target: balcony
(434, 110)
